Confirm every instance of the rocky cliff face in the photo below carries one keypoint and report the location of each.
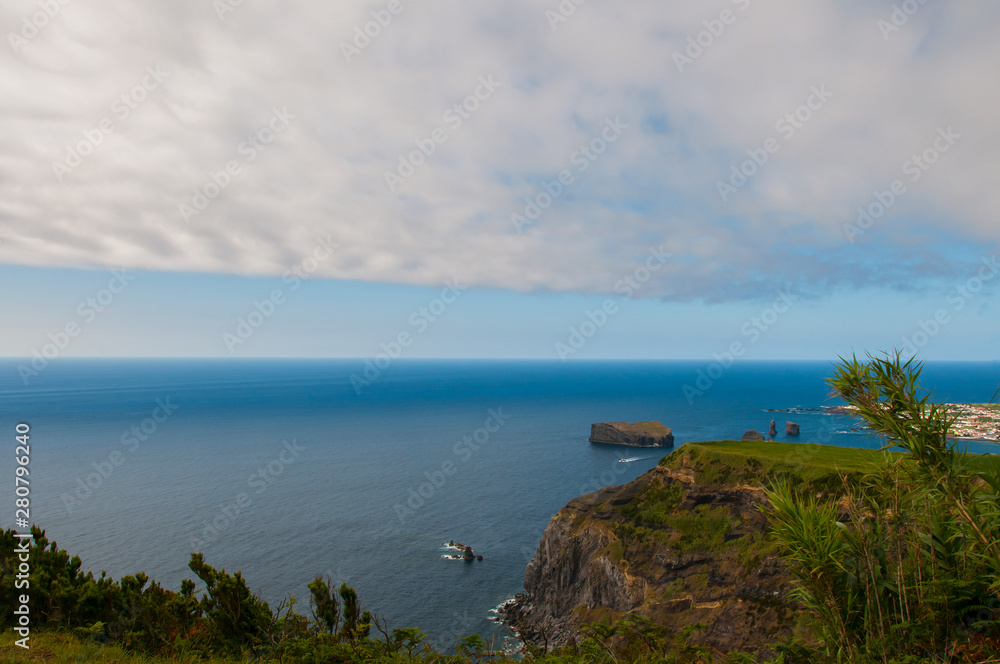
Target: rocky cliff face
(634, 434)
(664, 546)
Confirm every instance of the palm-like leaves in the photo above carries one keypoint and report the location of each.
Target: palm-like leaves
(913, 548)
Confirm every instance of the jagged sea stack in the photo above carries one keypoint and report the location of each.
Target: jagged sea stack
(791, 429)
(633, 434)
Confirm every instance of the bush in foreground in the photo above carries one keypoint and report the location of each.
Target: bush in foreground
(906, 567)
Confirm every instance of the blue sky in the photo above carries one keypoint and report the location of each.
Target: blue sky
(637, 180)
(190, 314)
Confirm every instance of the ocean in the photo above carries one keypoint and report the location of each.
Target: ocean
(289, 469)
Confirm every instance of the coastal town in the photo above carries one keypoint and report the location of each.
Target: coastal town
(975, 421)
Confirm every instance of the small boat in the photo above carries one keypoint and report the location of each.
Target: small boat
(628, 460)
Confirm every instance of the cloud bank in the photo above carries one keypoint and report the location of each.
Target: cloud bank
(518, 145)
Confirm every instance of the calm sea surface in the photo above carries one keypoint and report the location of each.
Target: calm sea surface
(279, 468)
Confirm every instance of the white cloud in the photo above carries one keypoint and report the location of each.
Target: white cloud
(324, 174)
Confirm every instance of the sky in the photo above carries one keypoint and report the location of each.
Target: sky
(509, 179)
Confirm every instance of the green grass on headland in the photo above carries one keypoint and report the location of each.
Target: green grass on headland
(805, 465)
(827, 457)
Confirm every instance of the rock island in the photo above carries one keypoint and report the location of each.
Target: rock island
(633, 434)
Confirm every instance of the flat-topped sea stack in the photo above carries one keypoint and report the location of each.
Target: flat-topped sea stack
(632, 434)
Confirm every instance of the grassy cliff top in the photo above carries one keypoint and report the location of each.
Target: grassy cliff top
(763, 462)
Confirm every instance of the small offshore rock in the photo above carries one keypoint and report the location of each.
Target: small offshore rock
(469, 555)
(791, 429)
(753, 434)
(773, 430)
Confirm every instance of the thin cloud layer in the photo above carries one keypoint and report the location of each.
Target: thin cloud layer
(740, 137)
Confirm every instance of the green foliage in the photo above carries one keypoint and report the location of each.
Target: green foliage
(236, 617)
(635, 638)
(140, 615)
(697, 583)
(703, 529)
(652, 517)
(150, 618)
(654, 505)
(61, 594)
(324, 605)
(907, 564)
(474, 648)
(357, 623)
(616, 550)
(753, 548)
(641, 535)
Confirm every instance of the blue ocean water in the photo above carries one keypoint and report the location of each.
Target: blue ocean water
(281, 469)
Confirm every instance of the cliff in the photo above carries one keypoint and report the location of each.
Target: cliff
(684, 543)
(633, 434)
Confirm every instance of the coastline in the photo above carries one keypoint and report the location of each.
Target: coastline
(974, 422)
(364, 454)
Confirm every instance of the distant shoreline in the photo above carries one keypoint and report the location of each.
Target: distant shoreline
(974, 422)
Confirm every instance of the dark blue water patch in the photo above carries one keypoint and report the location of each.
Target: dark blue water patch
(284, 470)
